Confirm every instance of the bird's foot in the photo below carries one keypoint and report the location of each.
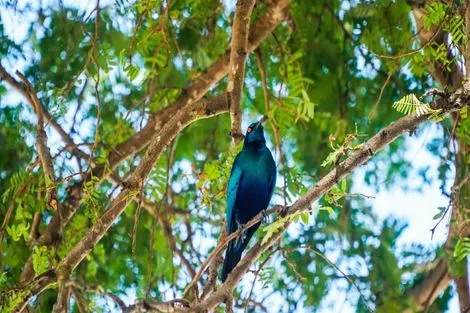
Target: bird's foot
(265, 215)
(243, 229)
(284, 210)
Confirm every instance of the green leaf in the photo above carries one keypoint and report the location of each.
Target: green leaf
(332, 157)
(305, 216)
(18, 231)
(327, 209)
(41, 259)
(441, 212)
(462, 248)
(410, 104)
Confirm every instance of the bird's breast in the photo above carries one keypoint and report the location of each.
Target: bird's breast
(253, 195)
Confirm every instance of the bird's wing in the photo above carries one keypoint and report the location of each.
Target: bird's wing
(272, 180)
(232, 191)
(272, 184)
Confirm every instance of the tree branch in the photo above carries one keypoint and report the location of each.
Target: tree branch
(72, 147)
(276, 12)
(467, 49)
(359, 157)
(63, 297)
(236, 75)
(139, 306)
(451, 78)
(201, 109)
(430, 287)
(461, 190)
(267, 113)
(156, 307)
(81, 305)
(35, 287)
(27, 90)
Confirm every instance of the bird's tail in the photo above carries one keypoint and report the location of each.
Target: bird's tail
(232, 257)
(235, 249)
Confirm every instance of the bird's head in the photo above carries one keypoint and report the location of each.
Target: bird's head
(254, 134)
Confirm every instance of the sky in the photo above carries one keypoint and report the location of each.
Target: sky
(416, 208)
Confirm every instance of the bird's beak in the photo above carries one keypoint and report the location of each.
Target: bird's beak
(264, 118)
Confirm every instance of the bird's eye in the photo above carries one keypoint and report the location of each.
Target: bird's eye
(249, 129)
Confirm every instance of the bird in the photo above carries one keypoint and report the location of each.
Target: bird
(249, 191)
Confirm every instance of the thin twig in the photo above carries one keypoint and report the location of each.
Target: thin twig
(348, 278)
(376, 105)
(20, 87)
(257, 272)
(267, 114)
(136, 220)
(41, 145)
(429, 41)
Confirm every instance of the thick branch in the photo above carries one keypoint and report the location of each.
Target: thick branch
(361, 156)
(201, 109)
(430, 287)
(238, 53)
(26, 89)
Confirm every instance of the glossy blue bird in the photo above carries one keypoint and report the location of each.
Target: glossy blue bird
(249, 191)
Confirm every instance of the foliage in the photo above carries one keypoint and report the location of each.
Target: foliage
(350, 144)
(103, 74)
(410, 104)
(462, 249)
(42, 259)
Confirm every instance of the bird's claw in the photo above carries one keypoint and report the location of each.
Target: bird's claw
(242, 227)
(265, 215)
(284, 211)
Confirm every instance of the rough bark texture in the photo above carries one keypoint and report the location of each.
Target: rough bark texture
(238, 54)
